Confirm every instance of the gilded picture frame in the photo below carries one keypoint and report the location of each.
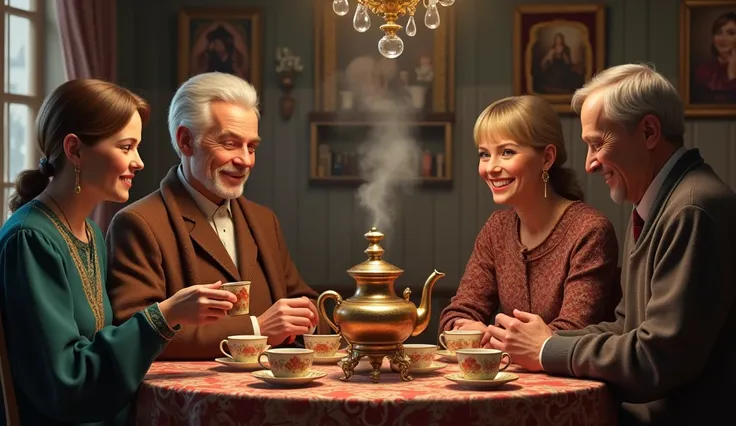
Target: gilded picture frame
(557, 48)
(708, 58)
(221, 39)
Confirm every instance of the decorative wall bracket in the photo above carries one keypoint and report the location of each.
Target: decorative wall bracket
(288, 67)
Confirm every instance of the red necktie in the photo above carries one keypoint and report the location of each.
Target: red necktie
(637, 224)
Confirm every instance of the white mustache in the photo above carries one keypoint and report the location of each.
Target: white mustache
(234, 170)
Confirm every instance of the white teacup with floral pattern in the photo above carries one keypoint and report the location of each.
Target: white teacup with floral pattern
(323, 345)
(481, 364)
(288, 362)
(244, 348)
(420, 355)
(452, 340)
(241, 290)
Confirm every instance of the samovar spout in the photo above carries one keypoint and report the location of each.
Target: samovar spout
(424, 310)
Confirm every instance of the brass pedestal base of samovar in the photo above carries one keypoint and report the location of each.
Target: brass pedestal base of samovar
(394, 353)
(375, 321)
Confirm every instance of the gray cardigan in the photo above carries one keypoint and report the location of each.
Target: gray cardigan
(670, 355)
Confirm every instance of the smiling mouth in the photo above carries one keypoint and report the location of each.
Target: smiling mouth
(127, 179)
(230, 175)
(500, 183)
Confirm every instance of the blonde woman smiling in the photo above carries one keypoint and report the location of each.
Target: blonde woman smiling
(548, 252)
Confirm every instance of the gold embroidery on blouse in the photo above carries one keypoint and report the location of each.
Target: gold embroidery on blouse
(90, 274)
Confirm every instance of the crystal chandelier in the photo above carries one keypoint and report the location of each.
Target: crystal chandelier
(391, 45)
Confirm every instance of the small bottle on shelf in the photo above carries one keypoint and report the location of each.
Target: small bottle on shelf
(324, 161)
(426, 163)
(338, 165)
(440, 163)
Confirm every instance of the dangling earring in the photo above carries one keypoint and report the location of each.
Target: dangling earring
(78, 188)
(545, 178)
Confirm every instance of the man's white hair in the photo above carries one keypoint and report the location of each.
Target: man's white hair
(190, 106)
(633, 91)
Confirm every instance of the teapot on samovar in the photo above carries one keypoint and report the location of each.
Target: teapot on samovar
(375, 322)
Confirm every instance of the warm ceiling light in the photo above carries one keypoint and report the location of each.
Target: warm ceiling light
(391, 45)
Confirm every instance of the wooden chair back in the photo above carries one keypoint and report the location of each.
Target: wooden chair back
(12, 418)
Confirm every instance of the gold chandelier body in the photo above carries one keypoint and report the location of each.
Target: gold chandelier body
(391, 45)
(391, 11)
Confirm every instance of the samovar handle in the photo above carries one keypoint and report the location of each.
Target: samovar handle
(329, 294)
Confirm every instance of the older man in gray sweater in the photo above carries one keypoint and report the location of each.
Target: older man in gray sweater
(670, 355)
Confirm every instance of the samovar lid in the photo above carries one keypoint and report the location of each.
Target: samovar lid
(374, 265)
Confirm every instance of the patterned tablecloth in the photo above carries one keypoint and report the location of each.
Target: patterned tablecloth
(207, 393)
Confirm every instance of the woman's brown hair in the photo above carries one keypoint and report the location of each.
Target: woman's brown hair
(530, 120)
(90, 109)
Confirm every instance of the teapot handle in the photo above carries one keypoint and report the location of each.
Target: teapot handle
(329, 294)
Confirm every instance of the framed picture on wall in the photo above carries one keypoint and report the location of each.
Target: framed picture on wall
(557, 48)
(224, 40)
(350, 73)
(708, 57)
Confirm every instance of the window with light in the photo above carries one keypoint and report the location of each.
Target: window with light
(21, 29)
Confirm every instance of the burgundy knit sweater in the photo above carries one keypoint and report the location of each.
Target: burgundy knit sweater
(571, 279)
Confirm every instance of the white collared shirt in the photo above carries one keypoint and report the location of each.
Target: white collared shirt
(645, 205)
(221, 219)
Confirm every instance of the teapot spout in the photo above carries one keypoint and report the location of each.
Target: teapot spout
(425, 306)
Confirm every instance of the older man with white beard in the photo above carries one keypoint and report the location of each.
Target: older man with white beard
(199, 228)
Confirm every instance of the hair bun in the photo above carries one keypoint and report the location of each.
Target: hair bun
(45, 167)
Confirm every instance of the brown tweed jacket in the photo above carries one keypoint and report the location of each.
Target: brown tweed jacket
(163, 243)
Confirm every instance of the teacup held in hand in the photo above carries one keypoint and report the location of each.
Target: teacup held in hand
(244, 348)
(481, 364)
(288, 362)
(241, 290)
(452, 340)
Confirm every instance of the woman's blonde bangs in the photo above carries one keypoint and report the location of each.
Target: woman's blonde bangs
(502, 120)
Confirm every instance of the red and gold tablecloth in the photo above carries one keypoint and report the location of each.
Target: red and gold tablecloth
(207, 393)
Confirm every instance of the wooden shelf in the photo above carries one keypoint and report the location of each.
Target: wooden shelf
(356, 181)
(338, 136)
(352, 117)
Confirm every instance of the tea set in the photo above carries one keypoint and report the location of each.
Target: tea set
(375, 323)
(479, 368)
(283, 366)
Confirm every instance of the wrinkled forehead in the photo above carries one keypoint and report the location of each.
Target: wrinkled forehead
(234, 119)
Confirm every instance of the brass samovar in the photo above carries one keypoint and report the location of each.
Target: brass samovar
(374, 321)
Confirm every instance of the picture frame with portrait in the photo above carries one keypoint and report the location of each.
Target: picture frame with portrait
(708, 58)
(350, 72)
(557, 48)
(221, 39)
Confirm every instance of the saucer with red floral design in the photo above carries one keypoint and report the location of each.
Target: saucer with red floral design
(238, 365)
(268, 377)
(500, 380)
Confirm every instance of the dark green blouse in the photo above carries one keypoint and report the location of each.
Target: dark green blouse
(70, 366)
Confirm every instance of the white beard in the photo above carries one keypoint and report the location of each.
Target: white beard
(215, 184)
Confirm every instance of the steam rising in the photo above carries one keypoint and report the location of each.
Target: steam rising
(389, 163)
(389, 159)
